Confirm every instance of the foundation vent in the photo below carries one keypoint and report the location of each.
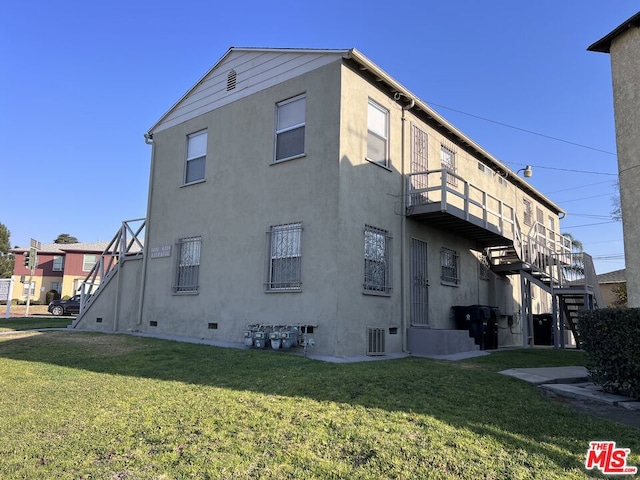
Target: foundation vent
(375, 341)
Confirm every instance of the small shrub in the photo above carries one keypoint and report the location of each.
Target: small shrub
(611, 339)
(51, 296)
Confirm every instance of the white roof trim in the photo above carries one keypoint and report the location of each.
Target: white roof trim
(342, 52)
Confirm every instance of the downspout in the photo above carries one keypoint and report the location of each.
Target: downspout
(148, 139)
(403, 223)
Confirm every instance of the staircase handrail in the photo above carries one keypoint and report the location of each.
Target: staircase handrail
(126, 244)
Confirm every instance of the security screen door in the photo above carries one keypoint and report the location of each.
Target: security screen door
(419, 284)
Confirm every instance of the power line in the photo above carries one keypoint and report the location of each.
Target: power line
(588, 225)
(585, 198)
(588, 215)
(575, 171)
(581, 186)
(523, 129)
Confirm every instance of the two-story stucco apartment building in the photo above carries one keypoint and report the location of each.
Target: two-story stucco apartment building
(59, 267)
(309, 187)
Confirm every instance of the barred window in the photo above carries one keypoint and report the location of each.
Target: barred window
(448, 162)
(528, 211)
(483, 266)
(450, 264)
(284, 271)
(188, 265)
(377, 261)
(290, 127)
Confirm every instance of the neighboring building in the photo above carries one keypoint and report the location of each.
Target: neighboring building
(612, 285)
(60, 267)
(309, 187)
(623, 43)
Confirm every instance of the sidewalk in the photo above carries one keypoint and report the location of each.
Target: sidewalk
(571, 382)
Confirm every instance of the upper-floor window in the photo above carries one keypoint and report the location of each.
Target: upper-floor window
(88, 262)
(58, 263)
(552, 223)
(528, 211)
(377, 261)
(290, 127)
(196, 157)
(188, 265)
(284, 271)
(377, 134)
(448, 162)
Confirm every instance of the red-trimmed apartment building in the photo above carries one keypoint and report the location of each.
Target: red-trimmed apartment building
(60, 267)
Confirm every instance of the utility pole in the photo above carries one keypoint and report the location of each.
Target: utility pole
(31, 262)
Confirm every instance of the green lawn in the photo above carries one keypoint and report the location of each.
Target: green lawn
(80, 405)
(27, 323)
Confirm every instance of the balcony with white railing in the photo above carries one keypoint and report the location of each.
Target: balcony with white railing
(447, 200)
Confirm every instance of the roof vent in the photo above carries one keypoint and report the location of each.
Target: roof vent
(231, 80)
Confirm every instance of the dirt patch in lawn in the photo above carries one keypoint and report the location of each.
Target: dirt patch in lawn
(98, 343)
(602, 410)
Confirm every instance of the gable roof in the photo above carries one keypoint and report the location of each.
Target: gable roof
(617, 276)
(206, 95)
(262, 65)
(62, 248)
(604, 44)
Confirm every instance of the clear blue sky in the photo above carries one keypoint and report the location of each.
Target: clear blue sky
(82, 81)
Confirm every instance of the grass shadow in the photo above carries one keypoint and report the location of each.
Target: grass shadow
(467, 395)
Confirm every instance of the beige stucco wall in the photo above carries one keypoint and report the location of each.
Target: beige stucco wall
(242, 196)
(116, 307)
(333, 191)
(625, 66)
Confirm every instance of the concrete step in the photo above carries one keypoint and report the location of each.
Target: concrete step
(431, 341)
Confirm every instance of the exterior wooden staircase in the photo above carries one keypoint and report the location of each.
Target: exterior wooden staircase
(545, 258)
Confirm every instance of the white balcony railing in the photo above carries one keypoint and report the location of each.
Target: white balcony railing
(435, 188)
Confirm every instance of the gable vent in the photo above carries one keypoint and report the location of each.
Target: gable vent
(375, 341)
(231, 80)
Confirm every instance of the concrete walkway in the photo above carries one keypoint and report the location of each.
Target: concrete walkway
(571, 382)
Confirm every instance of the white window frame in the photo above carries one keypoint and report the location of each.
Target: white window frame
(290, 128)
(58, 263)
(87, 264)
(375, 133)
(284, 258)
(25, 288)
(449, 267)
(57, 286)
(187, 269)
(193, 157)
(377, 261)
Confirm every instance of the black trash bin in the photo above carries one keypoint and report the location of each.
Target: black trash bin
(481, 321)
(543, 329)
(491, 329)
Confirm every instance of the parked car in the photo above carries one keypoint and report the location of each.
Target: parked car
(65, 307)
